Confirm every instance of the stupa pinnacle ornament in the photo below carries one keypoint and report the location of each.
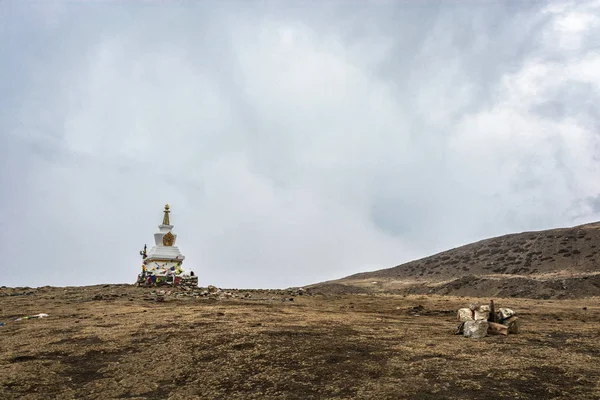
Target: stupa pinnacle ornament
(162, 264)
(166, 217)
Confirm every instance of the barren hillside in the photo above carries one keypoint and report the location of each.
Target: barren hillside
(556, 263)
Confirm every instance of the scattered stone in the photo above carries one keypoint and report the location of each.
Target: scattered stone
(475, 329)
(415, 311)
(482, 313)
(464, 314)
(497, 329)
(512, 323)
(505, 313)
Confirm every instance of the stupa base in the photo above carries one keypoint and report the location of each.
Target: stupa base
(167, 280)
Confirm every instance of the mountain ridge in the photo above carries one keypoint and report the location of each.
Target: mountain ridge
(552, 263)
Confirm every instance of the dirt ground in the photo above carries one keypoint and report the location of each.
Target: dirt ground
(109, 342)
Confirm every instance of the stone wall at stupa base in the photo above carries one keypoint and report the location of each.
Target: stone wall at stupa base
(167, 280)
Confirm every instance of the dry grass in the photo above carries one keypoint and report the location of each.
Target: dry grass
(335, 347)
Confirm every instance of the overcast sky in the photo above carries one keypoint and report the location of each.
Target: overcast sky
(296, 141)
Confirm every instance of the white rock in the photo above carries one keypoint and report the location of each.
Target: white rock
(464, 314)
(506, 313)
(482, 312)
(475, 329)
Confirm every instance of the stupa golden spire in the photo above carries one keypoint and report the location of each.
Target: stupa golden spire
(166, 217)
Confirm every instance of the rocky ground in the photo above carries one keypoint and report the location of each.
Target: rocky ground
(121, 341)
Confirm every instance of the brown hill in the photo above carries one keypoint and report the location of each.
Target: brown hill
(556, 263)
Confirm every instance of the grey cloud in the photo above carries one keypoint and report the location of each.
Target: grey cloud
(595, 203)
(295, 143)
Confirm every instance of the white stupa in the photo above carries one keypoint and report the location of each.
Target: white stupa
(162, 264)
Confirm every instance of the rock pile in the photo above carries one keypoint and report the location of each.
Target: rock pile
(214, 293)
(478, 321)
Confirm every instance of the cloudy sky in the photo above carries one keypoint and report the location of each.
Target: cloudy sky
(295, 142)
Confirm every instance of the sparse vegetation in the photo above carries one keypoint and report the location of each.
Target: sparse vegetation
(542, 256)
(331, 346)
